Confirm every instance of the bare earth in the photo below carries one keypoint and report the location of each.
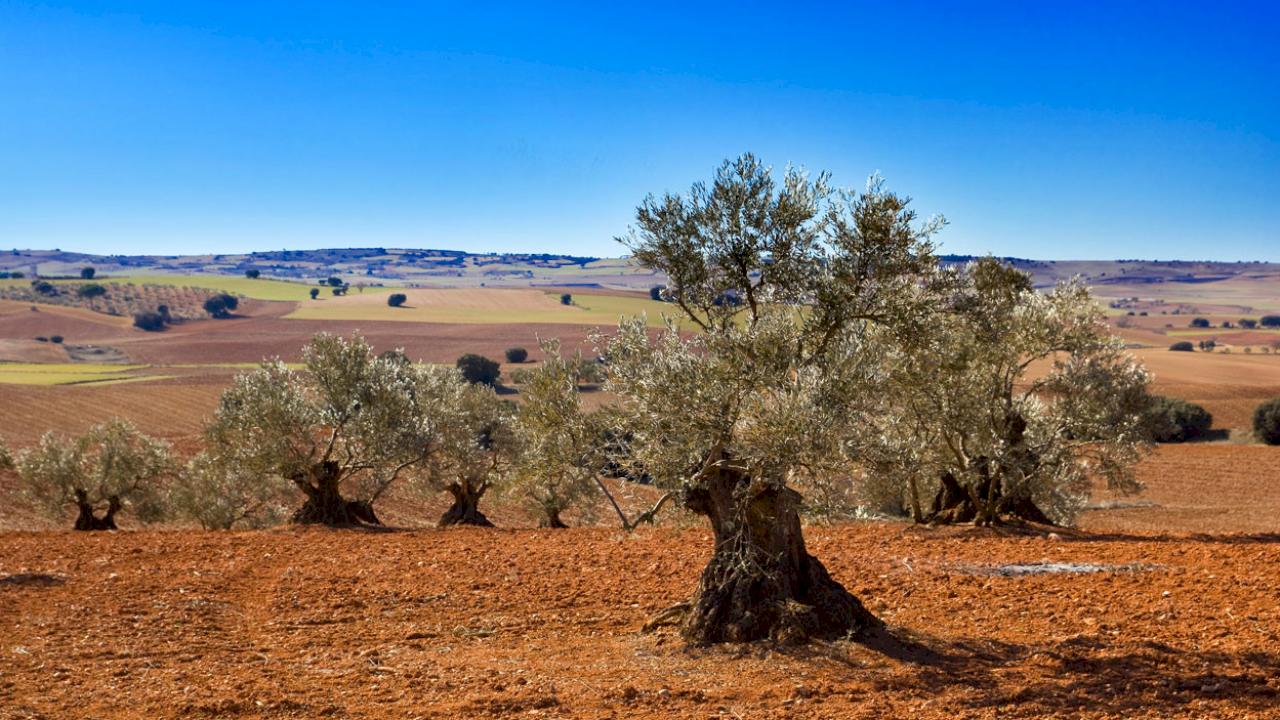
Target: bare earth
(529, 623)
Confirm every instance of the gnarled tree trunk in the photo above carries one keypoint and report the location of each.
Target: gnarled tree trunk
(466, 505)
(987, 499)
(761, 583)
(552, 520)
(325, 504)
(87, 520)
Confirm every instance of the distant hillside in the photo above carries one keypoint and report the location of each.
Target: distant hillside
(445, 268)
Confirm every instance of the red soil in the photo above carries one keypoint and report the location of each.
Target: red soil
(499, 624)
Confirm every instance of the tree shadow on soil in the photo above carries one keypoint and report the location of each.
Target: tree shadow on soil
(1065, 534)
(1083, 672)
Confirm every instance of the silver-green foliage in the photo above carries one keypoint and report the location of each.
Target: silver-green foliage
(788, 283)
(111, 460)
(1030, 388)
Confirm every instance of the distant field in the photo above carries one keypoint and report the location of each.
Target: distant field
(260, 289)
(67, 373)
(485, 306)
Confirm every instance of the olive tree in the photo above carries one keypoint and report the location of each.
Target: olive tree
(219, 494)
(110, 467)
(1011, 405)
(761, 397)
(557, 456)
(474, 450)
(351, 422)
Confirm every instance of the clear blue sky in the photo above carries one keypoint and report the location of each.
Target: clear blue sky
(1040, 129)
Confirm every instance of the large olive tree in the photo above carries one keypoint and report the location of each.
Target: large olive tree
(1011, 406)
(782, 282)
(474, 451)
(109, 468)
(341, 431)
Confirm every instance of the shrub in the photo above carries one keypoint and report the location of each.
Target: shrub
(334, 281)
(87, 273)
(92, 290)
(55, 339)
(221, 305)
(566, 299)
(149, 321)
(517, 355)
(44, 287)
(252, 273)
(478, 369)
(315, 293)
(1171, 420)
(397, 299)
(1266, 422)
(1199, 323)
(655, 293)
(340, 290)
(1248, 324)
(41, 338)
(1208, 345)
(1182, 346)
(1270, 321)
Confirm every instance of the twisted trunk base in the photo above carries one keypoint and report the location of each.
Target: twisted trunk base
(87, 520)
(552, 520)
(761, 582)
(325, 504)
(954, 504)
(466, 507)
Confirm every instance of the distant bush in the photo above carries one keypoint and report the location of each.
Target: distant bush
(55, 339)
(655, 293)
(252, 273)
(149, 321)
(1248, 324)
(517, 355)
(315, 293)
(221, 305)
(44, 287)
(478, 369)
(1208, 345)
(334, 281)
(1173, 421)
(41, 338)
(1199, 323)
(87, 273)
(1182, 346)
(397, 299)
(1270, 321)
(1266, 422)
(566, 299)
(92, 290)
(340, 290)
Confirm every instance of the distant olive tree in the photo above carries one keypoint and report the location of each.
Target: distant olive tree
(566, 299)
(516, 355)
(252, 273)
(1011, 405)
(221, 305)
(765, 396)
(87, 273)
(149, 321)
(109, 468)
(479, 369)
(557, 456)
(314, 292)
(342, 431)
(1170, 420)
(1183, 346)
(397, 299)
(1266, 422)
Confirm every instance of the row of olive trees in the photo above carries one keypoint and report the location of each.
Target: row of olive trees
(337, 435)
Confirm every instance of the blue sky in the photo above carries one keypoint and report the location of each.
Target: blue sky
(1040, 129)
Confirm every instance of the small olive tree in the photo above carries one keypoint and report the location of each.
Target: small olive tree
(763, 397)
(557, 444)
(110, 467)
(1010, 405)
(220, 495)
(351, 422)
(474, 450)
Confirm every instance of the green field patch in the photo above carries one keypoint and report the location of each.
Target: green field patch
(69, 373)
(258, 289)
